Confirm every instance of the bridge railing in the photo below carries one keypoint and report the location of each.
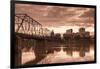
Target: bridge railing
(27, 25)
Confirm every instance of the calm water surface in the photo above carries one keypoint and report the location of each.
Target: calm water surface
(62, 53)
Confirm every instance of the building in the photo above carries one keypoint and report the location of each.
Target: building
(52, 33)
(68, 35)
(83, 34)
(69, 31)
(58, 35)
(81, 30)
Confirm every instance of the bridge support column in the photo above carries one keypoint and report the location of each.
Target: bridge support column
(18, 52)
(40, 50)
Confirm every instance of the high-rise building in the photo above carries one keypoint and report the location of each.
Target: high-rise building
(83, 33)
(81, 30)
(58, 35)
(69, 31)
(52, 33)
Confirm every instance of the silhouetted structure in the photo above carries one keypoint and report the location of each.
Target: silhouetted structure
(81, 30)
(69, 31)
(30, 34)
(82, 34)
(58, 36)
(52, 33)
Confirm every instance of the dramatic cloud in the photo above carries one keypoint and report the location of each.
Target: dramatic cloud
(57, 16)
(88, 13)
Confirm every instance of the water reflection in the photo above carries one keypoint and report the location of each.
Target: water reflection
(63, 57)
(62, 53)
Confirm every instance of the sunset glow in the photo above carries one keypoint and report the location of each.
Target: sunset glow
(62, 29)
(46, 34)
(60, 18)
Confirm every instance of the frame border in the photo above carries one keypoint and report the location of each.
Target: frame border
(12, 35)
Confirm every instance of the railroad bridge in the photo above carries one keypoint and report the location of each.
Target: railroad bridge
(29, 33)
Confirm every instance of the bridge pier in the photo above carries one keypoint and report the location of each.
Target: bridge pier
(24, 45)
(18, 53)
(40, 48)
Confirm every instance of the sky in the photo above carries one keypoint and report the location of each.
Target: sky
(59, 18)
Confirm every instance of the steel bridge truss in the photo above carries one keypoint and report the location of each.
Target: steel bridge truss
(27, 25)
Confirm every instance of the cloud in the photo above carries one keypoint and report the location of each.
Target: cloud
(58, 16)
(89, 13)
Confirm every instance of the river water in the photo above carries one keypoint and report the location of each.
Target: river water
(63, 53)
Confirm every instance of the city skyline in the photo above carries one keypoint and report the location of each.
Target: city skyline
(50, 32)
(60, 18)
(63, 29)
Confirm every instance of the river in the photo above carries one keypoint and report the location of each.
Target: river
(63, 53)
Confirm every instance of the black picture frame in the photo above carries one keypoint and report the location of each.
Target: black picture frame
(12, 35)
